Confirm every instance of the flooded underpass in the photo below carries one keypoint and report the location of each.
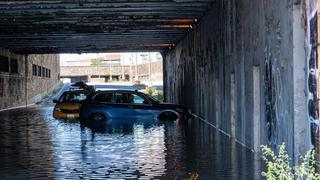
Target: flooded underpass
(34, 145)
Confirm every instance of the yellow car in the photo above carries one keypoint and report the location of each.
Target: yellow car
(68, 105)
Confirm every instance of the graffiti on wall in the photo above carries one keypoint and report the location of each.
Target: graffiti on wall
(312, 67)
(270, 99)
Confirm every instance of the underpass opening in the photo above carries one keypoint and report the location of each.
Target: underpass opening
(126, 69)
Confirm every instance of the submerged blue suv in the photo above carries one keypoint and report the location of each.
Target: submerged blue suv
(116, 105)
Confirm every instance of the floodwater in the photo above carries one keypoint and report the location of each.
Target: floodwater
(34, 145)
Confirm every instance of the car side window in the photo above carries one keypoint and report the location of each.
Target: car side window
(118, 98)
(81, 97)
(72, 97)
(136, 99)
(123, 98)
(103, 97)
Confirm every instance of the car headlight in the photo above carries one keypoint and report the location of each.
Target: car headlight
(57, 109)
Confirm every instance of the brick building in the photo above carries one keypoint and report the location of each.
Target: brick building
(26, 79)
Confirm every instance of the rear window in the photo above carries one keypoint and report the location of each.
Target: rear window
(105, 97)
(73, 97)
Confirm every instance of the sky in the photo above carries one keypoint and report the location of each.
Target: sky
(64, 57)
(127, 58)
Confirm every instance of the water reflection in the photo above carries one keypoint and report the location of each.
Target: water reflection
(34, 145)
(130, 150)
(25, 146)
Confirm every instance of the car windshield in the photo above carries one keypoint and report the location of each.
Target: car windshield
(73, 97)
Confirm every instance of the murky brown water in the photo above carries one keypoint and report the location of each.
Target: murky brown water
(33, 145)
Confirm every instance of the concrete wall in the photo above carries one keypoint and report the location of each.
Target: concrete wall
(13, 85)
(214, 71)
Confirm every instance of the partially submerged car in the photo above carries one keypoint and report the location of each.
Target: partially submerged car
(116, 105)
(68, 105)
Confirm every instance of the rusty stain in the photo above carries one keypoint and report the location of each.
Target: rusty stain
(162, 45)
(179, 20)
(177, 26)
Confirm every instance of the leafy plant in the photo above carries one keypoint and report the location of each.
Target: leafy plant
(152, 91)
(160, 96)
(96, 61)
(278, 165)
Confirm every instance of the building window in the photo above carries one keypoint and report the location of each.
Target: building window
(13, 65)
(34, 70)
(47, 75)
(39, 70)
(43, 72)
(4, 64)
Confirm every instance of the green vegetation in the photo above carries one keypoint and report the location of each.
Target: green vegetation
(96, 61)
(278, 166)
(152, 91)
(46, 96)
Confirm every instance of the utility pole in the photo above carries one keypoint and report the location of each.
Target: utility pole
(136, 68)
(110, 74)
(131, 71)
(149, 69)
(99, 67)
(122, 66)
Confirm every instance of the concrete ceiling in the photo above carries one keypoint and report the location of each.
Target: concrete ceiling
(74, 26)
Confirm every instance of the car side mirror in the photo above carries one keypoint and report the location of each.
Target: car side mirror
(55, 101)
(146, 102)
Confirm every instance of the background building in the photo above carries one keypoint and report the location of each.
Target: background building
(107, 67)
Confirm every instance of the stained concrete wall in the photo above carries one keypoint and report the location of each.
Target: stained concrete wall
(236, 39)
(13, 85)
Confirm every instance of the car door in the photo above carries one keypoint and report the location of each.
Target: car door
(111, 103)
(141, 108)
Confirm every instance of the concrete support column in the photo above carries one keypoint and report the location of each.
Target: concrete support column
(165, 80)
(256, 109)
(26, 69)
(301, 124)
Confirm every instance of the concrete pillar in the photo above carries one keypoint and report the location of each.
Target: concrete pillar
(233, 105)
(301, 124)
(165, 81)
(256, 108)
(26, 69)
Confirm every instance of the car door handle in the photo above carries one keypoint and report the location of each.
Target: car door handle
(130, 107)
